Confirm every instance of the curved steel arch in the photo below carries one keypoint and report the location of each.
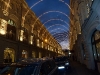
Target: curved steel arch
(47, 13)
(52, 26)
(63, 39)
(66, 38)
(54, 33)
(60, 33)
(57, 28)
(23, 18)
(52, 20)
(42, 0)
(56, 25)
(67, 5)
(60, 39)
(56, 19)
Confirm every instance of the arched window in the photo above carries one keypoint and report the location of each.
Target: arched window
(96, 45)
(11, 30)
(9, 55)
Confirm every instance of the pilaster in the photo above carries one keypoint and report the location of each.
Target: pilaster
(89, 56)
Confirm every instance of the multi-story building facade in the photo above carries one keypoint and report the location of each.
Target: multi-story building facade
(22, 35)
(85, 32)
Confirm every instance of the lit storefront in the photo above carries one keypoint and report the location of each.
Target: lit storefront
(9, 55)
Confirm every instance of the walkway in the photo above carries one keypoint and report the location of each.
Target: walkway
(79, 69)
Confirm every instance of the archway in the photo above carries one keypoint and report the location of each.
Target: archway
(96, 47)
(89, 44)
(24, 54)
(9, 55)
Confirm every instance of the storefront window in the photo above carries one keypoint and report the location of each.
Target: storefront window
(24, 54)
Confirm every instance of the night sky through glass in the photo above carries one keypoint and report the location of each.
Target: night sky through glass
(55, 17)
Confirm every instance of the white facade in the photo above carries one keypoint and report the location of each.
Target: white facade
(88, 12)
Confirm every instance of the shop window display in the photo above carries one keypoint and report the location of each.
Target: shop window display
(11, 30)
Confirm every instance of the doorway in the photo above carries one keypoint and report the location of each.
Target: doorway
(9, 55)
